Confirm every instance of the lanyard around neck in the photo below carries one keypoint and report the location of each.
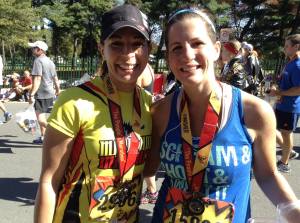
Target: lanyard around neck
(127, 151)
(195, 168)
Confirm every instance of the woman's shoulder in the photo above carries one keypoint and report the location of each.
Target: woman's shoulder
(257, 112)
(82, 91)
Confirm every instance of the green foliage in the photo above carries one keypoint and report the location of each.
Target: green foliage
(265, 24)
(76, 23)
(16, 20)
(73, 23)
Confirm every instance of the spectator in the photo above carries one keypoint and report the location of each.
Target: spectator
(233, 72)
(7, 115)
(12, 94)
(252, 67)
(99, 133)
(43, 78)
(1, 72)
(171, 84)
(146, 80)
(208, 135)
(25, 85)
(287, 109)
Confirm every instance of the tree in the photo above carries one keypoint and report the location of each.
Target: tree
(266, 23)
(77, 22)
(160, 10)
(16, 20)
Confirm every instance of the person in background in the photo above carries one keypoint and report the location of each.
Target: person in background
(146, 81)
(252, 67)
(99, 133)
(15, 83)
(208, 135)
(1, 71)
(233, 71)
(7, 115)
(287, 108)
(44, 80)
(14, 80)
(171, 84)
(25, 85)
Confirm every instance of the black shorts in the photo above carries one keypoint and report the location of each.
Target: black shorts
(43, 105)
(286, 120)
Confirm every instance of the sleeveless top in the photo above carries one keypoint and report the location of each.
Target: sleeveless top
(227, 175)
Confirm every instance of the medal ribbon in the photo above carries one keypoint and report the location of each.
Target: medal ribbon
(195, 168)
(127, 156)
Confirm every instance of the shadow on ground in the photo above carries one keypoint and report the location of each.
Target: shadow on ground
(8, 141)
(20, 190)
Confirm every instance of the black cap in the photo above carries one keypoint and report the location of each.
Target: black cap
(124, 16)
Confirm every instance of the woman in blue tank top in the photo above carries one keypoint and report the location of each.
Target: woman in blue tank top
(207, 136)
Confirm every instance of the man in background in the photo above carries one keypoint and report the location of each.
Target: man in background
(287, 108)
(44, 80)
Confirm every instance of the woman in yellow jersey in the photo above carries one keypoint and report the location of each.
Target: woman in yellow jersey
(99, 133)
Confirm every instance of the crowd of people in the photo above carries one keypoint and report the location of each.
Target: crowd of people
(240, 66)
(18, 87)
(207, 130)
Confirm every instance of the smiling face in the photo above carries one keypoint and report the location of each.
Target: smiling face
(191, 53)
(126, 53)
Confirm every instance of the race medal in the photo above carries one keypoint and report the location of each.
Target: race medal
(116, 198)
(183, 206)
(196, 206)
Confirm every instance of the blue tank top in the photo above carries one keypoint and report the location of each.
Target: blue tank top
(228, 172)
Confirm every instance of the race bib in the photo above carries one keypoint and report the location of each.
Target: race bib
(110, 202)
(189, 207)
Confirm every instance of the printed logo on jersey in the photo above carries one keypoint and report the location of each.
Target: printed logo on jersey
(217, 176)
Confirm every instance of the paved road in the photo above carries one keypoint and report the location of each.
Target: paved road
(20, 163)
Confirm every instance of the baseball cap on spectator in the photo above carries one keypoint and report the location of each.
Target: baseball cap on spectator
(39, 44)
(124, 16)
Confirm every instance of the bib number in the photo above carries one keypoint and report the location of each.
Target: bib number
(118, 202)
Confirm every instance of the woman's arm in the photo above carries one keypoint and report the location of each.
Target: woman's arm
(160, 117)
(260, 120)
(57, 148)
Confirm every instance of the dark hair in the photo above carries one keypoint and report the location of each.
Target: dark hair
(294, 39)
(192, 12)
